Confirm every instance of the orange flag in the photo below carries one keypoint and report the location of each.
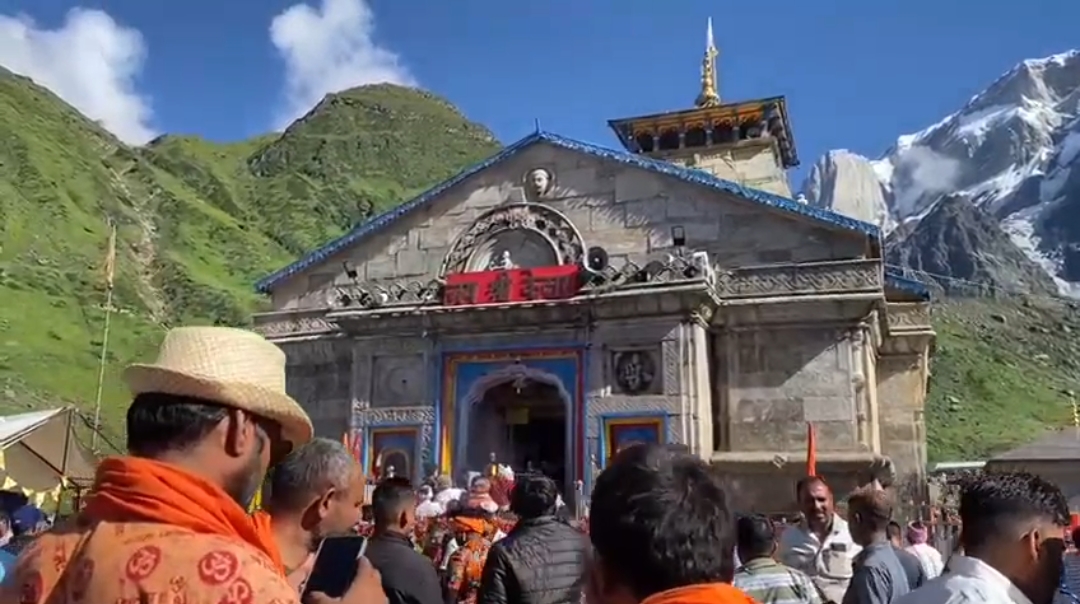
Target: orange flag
(811, 450)
(352, 443)
(110, 259)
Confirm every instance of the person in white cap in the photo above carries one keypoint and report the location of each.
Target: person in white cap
(169, 520)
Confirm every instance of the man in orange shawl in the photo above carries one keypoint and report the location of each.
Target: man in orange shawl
(475, 532)
(168, 523)
(662, 532)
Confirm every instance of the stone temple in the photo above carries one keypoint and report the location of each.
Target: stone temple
(561, 300)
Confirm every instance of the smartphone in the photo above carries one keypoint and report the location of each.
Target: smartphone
(335, 565)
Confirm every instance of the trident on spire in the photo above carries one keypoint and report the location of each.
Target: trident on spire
(709, 96)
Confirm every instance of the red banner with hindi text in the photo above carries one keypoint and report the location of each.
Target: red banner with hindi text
(513, 285)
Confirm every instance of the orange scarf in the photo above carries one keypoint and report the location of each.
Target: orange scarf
(466, 524)
(130, 489)
(706, 593)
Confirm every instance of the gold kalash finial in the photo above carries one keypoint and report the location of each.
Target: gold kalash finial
(709, 97)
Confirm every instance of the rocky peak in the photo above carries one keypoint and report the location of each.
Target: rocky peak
(846, 183)
(963, 250)
(1010, 151)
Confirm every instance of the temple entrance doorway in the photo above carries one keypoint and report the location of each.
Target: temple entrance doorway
(522, 423)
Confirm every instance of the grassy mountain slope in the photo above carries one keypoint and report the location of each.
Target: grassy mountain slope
(198, 222)
(1003, 373)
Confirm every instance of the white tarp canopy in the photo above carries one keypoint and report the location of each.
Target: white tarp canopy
(39, 452)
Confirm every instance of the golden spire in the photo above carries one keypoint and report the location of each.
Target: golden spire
(709, 97)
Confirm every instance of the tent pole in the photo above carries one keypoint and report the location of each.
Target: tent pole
(101, 372)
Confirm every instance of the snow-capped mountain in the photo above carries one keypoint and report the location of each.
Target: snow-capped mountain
(1013, 150)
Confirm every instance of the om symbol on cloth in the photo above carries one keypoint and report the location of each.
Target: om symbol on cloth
(217, 567)
(239, 592)
(80, 582)
(143, 562)
(32, 588)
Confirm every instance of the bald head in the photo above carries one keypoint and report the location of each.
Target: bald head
(308, 473)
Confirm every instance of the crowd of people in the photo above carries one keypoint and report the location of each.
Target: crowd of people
(169, 521)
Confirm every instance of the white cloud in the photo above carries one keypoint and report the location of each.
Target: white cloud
(90, 61)
(329, 49)
(923, 177)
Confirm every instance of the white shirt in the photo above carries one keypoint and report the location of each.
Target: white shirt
(929, 559)
(828, 562)
(967, 580)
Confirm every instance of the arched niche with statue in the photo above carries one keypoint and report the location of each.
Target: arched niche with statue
(521, 235)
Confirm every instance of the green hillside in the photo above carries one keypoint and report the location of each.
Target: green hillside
(1004, 372)
(198, 222)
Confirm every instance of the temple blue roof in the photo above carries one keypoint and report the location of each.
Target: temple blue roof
(897, 281)
(689, 175)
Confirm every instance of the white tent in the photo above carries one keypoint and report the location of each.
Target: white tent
(38, 452)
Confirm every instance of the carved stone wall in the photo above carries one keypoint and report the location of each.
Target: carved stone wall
(611, 340)
(398, 380)
(628, 211)
(770, 382)
(420, 415)
(319, 375)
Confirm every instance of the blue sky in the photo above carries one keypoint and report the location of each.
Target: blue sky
(856, 73)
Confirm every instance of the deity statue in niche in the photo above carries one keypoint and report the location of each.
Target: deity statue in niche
(537, 184)
(518, 248)
(501, 261)
(634, 371)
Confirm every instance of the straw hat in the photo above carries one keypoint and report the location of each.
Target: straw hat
(233, 367)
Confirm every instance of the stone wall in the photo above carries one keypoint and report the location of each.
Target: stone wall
(319, 375)
(770, 382)
(753, 163)
(901, 392)
(628, 211)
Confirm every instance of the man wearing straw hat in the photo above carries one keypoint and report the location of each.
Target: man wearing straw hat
(169, 522)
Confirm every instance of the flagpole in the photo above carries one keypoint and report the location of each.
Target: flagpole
(110, 267)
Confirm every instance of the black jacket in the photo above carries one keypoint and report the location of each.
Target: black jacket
(407, 576)
(541, 561)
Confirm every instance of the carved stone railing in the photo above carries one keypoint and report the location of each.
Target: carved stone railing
(902, 317)
(293, 323)
(818, 278)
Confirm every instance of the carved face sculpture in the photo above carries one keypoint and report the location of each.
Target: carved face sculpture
(538, 181)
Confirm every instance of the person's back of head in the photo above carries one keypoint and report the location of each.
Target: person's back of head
(869, 511)
(320, 486)
(658, 520)
(1015, 522)
(895, 533)
(534, 496)
(393, 506)
(755, 536)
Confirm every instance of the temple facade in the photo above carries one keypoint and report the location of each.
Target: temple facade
(561, 300)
